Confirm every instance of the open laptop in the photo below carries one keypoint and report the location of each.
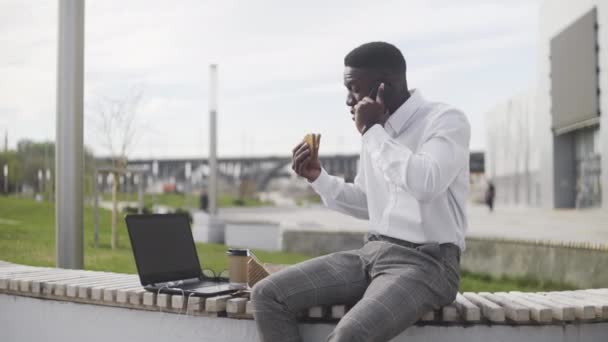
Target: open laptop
(166, 257)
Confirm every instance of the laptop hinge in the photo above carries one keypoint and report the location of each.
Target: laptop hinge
(175, 283)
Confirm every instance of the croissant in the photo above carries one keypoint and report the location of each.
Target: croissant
(313, 140)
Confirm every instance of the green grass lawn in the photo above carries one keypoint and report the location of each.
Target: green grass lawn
(27, 236)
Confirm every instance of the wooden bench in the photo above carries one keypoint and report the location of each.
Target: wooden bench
(121, 290)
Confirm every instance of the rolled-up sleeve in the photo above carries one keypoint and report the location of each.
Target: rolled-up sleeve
(430, 170)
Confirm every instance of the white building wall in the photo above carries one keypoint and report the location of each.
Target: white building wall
(555, 15)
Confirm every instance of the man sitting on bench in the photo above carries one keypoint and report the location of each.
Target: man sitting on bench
(411, 185)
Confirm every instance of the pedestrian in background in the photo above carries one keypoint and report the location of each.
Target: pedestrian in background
(204, 201)
(490, 194)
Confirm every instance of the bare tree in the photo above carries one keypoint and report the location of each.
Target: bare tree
(117, 127)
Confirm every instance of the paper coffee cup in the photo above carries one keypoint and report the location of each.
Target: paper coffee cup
(237, 265)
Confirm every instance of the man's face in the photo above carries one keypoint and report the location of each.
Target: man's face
(359, 83)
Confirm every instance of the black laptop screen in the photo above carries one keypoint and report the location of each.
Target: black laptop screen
(163, 247)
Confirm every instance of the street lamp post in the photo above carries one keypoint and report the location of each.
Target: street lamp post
(40, 182)
(5, 178)
(69, 159)
(48, 189)
(213, 140)
(96, 181)
(187, 175)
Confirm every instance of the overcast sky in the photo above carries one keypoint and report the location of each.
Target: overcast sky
(280, 66)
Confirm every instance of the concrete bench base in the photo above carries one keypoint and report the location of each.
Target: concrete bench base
(33, 319)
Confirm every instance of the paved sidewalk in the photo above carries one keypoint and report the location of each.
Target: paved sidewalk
(563, 225)
(589, 226)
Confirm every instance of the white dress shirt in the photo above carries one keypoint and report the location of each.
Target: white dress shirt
(413, 175)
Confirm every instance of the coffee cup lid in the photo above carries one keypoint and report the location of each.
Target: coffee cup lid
(238, 252)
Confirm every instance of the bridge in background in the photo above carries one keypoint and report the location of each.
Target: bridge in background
(259, 170)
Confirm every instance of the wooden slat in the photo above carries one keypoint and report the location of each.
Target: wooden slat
(163, 301)
(9, 272)
(6, 277)
(490, 310)
(338, 311)
(46, 285)
(235, 307)
(449, 313)
(187, 303)
(427, 317)
(317, 312)
(122, 295)
(60, 287)
(18, 269)
(599, 291)
(600, 303)
(560, 312)
(594, 292)
(216, 304)
(14, 284)
(583, 310)
(94, 289)
(28, 285)
(149, 298)
(470, 312)
(538, 312)
(178, 302)
(111, 295)
(249, 308)
(137, 297)
(195, 304)
(97, 292)
(12, 269)
(596, 296)
(72, 287)
(513, 310)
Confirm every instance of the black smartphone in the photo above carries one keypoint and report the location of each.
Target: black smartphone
(374, 91)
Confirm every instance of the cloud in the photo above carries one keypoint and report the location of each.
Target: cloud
(280, 66)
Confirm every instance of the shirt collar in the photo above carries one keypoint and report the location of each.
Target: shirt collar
(401, 116)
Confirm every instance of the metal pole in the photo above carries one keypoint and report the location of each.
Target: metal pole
(49, 186)
(213, 139)
(5, 178)
(40, 178)
(69, 170)
(187, 175)
(96, 207)
(140, 193)
(128, 183)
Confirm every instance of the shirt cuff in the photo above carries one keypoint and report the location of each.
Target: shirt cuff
(374, 137)
(322, 184)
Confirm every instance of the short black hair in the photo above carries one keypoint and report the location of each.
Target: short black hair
(380, 56)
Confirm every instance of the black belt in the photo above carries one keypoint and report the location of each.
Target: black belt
(431, 248)
(379, 237)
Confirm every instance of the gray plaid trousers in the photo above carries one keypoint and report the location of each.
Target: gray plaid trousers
(389, 285)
